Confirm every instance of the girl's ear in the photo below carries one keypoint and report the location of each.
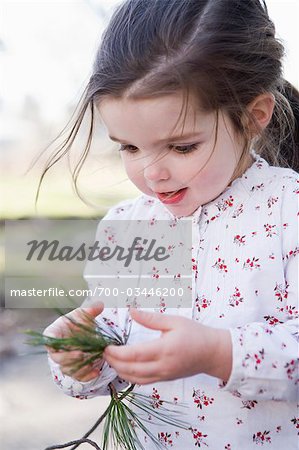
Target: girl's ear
(261, 110)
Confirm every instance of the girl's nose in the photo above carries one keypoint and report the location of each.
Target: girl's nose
(156, 170)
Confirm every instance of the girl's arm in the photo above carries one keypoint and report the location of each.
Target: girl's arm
(265, 357)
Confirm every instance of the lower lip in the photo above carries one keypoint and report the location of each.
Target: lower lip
(175, 198)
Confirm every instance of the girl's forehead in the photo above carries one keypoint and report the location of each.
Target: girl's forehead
(153, 120)
(172, 109)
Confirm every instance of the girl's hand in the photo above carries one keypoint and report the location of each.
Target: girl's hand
(62, 327)
(185, 348)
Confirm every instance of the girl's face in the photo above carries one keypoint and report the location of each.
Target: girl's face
(163, 152)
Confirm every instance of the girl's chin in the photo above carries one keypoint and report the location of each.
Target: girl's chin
(182, 210)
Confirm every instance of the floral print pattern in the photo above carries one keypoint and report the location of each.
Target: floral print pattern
(245, 278)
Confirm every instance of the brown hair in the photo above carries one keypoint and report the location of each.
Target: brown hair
(224, 51)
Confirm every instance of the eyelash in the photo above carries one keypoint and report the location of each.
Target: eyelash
(178, 148)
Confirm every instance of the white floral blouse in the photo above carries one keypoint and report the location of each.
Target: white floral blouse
(245, 279)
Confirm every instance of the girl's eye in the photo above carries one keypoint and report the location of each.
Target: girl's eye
(129, 148)
(184, 148)
(177, 148)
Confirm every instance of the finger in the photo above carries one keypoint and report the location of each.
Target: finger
(154, 321)
(147, 351)
(88, 377)
(56, 329)
(62, 326)
(67, 358)
(93, 310)
(84, 374)
(140, 371)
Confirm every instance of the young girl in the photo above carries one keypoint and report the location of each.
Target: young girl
(192, 91)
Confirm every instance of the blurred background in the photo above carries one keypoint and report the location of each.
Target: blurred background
(46, 51)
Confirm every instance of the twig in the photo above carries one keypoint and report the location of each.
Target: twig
(77, 443)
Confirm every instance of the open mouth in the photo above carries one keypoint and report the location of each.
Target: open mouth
(172, 197)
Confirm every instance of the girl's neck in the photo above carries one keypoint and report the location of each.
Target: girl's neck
(242, 169)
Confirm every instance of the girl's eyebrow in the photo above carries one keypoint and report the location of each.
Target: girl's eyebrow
(177, 138)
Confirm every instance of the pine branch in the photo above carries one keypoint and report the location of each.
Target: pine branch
(78, 442)
(120, 419)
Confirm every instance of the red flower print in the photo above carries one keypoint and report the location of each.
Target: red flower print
(261, 437)
(109, 322)
(194, 265)
(251, 264)
(271, 320)
(256, 359)
(198, 437)
(162, 305)
(258, 187)
(281, 292)
(271, 201)
(202, 302)
(239, 210)
(220, 266)
(110, 235)
(249, 404)
(165, 439)
(230, 201)
(236, 298)
(270, 230)
(291, 253)
(239, 240)
(170, 248)
(259, 164)
(296, 190)
(221, 205)
(149, 202)
(155, 272)
(291, 311)
(173, 223)
(227, 447)
(295, 421)
(292, 368)
(201, 399)
(133, 423)
(157, 402)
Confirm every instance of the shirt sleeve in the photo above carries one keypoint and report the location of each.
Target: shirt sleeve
(265, 361)
(99, 385)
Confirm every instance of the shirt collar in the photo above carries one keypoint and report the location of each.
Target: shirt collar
(232, 198)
